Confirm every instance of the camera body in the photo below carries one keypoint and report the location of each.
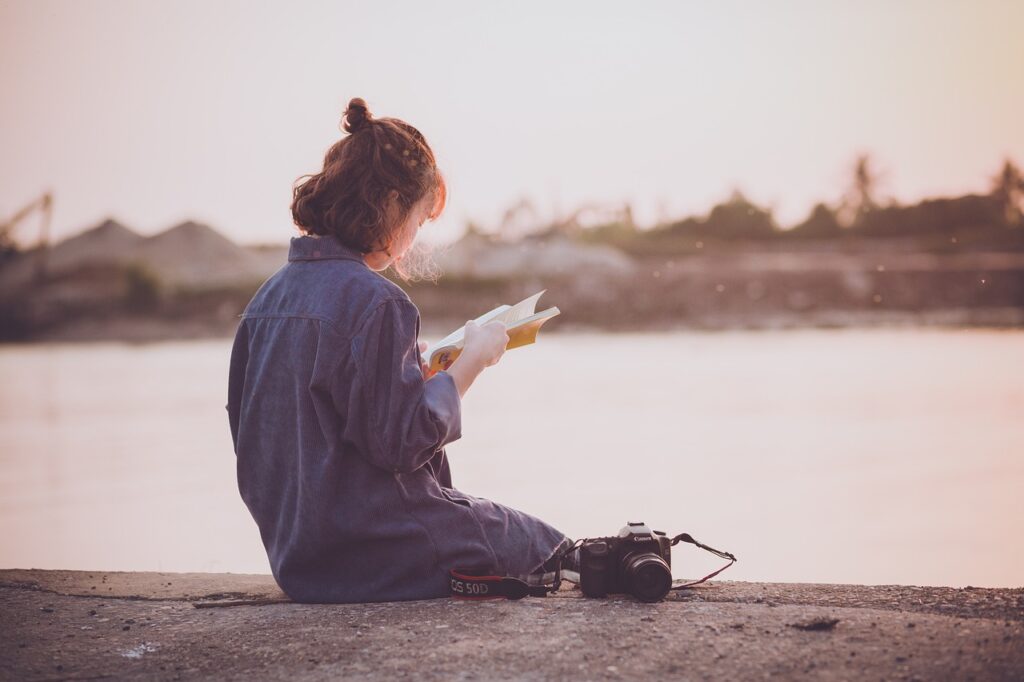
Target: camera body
(636, 561)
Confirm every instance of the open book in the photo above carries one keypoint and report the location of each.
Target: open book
(520, 320)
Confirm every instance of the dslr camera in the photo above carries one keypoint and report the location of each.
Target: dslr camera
(637, 561)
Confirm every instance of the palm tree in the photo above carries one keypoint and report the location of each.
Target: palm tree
(860, 198)
(1008, 190)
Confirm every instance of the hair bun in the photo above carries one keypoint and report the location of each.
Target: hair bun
(356, 116)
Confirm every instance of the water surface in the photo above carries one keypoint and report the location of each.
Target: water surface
(876, 456)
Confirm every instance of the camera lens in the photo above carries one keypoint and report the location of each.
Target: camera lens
(647, 576)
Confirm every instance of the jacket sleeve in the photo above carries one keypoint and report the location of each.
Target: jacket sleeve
(393, 417)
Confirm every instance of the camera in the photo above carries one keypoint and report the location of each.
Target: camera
(636, 561)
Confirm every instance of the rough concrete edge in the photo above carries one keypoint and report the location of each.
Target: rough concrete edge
(150, 586)
(235, 589)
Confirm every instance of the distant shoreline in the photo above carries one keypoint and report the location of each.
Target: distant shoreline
(154, 330)
(190, 282)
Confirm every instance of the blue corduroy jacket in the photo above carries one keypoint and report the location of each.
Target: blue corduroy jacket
(340, 441)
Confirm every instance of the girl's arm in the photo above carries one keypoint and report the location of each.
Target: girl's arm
(391, 415)
(484, 346)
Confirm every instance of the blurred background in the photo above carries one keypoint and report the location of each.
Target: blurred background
(786, 240)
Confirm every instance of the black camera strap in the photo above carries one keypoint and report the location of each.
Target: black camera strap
(686, 537)
(481, 583)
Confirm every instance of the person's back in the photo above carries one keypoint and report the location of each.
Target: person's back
(339, 437)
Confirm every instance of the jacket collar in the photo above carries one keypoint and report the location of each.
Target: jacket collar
(325, 247)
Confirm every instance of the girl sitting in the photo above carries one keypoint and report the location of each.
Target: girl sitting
(339, 436)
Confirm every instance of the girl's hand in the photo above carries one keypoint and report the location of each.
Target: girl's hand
(485, 343)
(424, 368)
(484, 346)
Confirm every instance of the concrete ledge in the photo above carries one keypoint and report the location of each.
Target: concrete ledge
(193, 587)
(88, 624)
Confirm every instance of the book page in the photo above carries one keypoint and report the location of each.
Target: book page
(490, 315)
(525, 331)
(506, 314)
(521, 310)
(522, 333)
(456, 337)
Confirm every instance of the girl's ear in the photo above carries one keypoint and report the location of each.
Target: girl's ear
(393, 197)
(391, 207)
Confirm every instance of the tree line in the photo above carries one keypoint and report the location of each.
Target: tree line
(859, 213)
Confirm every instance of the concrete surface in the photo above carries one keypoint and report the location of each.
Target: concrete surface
(91, 625)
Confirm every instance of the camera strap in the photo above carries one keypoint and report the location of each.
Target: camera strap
(477, 584)
(686, 537)
(481, 583)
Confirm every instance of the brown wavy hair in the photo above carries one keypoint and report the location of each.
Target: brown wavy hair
(370, 181)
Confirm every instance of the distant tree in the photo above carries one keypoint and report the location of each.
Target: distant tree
(860, 199)
(601, 223)
(950, 214)
(142, 288)
(687, 227)
(627, 217)
(7, 246)
(932, 216)
(519, 220)
(1008, 190)
(739, 218)
(473, 229)
(610, 233)
(821, 222)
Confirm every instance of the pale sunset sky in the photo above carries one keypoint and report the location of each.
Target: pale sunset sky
(156, 112)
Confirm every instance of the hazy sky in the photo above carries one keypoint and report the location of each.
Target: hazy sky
(153, 112)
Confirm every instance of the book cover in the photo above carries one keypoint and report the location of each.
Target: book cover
(521, 321)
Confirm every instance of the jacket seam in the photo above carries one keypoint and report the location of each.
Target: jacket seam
(332, 323)
(292, 259)
(365, 319)
(292, 316)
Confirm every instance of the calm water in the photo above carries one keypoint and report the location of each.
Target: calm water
(818, 456)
